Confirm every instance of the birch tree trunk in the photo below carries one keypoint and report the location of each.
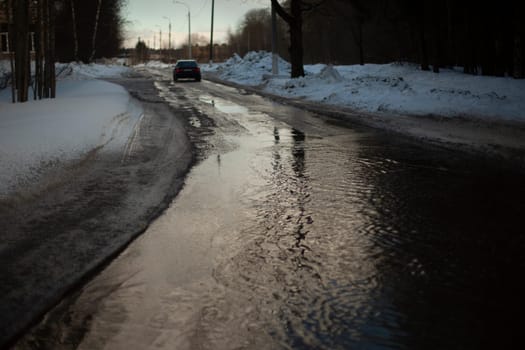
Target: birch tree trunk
(94, 40)
(75, 35)
(39, 51)
(49, 49)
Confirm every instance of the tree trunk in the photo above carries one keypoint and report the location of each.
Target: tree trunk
(75, 35)
(51, 49)
(296, 40)
(47, 70)
(438, 51)
(470, 64)
(450, 54)
(95, 29)
(295, 24)
(13, 74)
(22, 68)
(11, 37)
(518, 64)
(422, 39)
(424, 52)
(361, 42)
(356, 28)
(39, 51)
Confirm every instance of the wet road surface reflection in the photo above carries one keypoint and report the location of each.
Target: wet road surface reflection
(292, 239)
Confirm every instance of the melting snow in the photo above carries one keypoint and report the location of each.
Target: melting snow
(396, 88)
(87, 114)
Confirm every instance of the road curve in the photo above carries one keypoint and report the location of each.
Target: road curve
(56, 234)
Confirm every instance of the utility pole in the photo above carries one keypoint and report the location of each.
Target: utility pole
(169, 34)
(189, 32)
(169, 37)
(211, 34)
(189, 25)
(160, 36)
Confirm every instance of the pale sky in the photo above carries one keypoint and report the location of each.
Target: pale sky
(147, 17)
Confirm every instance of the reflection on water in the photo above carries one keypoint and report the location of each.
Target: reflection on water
(349, 241)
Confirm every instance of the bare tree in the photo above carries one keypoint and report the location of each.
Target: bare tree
(11, 33)
(95, 29)
(253, 33)
(39, 13)
(50, 81)
(75, 28)
(21, 43)
(38, 86)
(355, 13)
(294, 19)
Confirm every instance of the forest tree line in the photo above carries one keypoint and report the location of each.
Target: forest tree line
(87, 30)
(483, 38)
(42, 32)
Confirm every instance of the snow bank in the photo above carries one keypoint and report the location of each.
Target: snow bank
(87, 114)
(389, 88)
(80, 71)
(249, 70)
(154, 64)
(75, 71)
(5, 73)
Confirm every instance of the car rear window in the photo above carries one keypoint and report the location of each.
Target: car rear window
(185, 64)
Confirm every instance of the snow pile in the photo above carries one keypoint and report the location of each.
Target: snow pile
(87, 115)
(5, 74)
(72, 71)
(80, 71)
(250, 69)
(399, 89)
(154, 64)
(330, 75)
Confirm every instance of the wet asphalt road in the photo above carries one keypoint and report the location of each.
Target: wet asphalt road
(294, 231)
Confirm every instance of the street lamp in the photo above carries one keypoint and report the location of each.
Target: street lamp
(169, 35)
(160, 36)
(154, 40)
(189, 24)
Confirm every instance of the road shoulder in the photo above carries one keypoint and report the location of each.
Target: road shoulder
(56, 238)
(494, 138)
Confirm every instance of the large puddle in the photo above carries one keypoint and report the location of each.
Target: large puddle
(298, 240)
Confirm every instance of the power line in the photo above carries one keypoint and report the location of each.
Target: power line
(202, 8)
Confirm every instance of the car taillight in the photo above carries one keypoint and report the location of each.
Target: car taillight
(178, 70)
(196, 69)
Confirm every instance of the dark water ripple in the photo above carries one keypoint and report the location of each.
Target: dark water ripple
(362, 249)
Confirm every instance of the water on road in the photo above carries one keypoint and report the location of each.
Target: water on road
(292, 232)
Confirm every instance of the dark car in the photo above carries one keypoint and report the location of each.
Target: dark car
(187, 69)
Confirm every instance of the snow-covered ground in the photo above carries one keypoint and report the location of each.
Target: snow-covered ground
(396, 88)
(87, 114)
